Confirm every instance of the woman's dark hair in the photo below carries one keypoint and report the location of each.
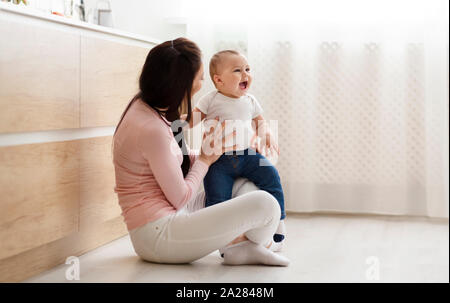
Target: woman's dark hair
(166, 81)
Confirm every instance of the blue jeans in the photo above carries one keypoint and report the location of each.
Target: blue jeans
(221, 175)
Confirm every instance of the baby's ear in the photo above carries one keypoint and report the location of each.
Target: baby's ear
(217, 79)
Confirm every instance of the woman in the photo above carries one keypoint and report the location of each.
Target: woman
(156, 177)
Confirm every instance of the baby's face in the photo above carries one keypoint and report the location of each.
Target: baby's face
(234, 78)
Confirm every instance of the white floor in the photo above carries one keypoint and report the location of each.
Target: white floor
(322, 248)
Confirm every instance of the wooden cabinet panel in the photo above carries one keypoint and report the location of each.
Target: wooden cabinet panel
(39, 194)
(109, 79)
(57, 199)
(39, 72)
(34, 261)
(98, 201)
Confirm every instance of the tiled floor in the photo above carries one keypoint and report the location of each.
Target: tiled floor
(322, 248)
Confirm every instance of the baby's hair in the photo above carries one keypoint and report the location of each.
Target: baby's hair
(216, 60)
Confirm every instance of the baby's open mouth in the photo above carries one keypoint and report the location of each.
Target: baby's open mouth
(243, 85)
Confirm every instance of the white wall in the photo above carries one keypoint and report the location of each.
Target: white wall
(148, 17)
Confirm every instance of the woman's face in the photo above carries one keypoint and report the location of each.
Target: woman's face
(198, 80)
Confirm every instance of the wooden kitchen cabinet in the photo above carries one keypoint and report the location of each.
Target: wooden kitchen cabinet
(57, 79)
(39, 78)
(109, 79)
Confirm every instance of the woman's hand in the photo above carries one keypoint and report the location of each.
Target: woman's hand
(213, 144)
(183, 117)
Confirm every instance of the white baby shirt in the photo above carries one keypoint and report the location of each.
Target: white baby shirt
(237, 113)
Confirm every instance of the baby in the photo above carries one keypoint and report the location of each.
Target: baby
(230, 72)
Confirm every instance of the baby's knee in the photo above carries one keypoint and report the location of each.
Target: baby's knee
(273, 173)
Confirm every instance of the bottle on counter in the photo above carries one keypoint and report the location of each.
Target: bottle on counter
(68, 8)
(78, 10)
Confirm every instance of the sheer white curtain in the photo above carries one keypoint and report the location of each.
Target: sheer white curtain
(360, 93)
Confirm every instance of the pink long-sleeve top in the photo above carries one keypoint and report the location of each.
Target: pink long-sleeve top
(147, 160)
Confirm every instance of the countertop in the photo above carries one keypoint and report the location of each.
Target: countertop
(33, 13)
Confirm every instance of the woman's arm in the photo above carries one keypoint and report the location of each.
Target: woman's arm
(193, 154)
(160, 150)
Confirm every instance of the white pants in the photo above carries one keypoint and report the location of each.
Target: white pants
(195, 231)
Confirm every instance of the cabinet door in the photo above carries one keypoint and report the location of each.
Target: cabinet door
(39, 78)
(109, 79)
(39, 194)
(98, 201)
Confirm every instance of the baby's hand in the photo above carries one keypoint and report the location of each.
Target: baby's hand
(265, 147)
(270, 144)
